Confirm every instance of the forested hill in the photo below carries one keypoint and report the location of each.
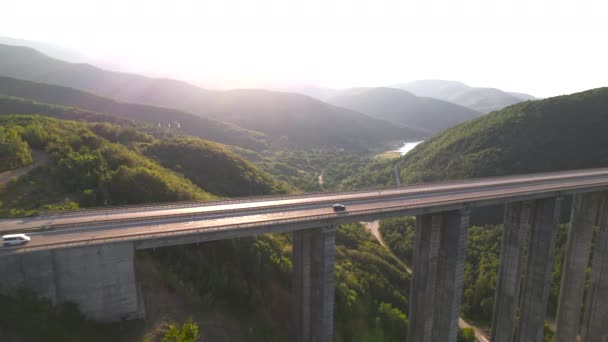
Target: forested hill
(303, 120)
(191, 124)
(404, 108)
(559, 133)
(94, 164)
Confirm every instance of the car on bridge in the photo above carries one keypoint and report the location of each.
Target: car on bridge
(15, 239)
(339, 207)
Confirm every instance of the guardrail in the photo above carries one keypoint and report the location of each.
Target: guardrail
(306, 218)
(188, 204)
(369, 195)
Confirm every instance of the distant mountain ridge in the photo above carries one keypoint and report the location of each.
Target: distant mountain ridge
(222, 132)
(480, 99)
(402, 107)
(303, 120)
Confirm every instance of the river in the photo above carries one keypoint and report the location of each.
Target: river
(408, 146)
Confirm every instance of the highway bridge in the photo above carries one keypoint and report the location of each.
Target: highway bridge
(87, 257)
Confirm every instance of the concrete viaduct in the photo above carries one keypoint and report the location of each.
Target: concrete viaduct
(87, 257)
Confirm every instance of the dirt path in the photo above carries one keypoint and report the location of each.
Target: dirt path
(479, 335)
(40, 158)
(321, 180)
(374, 228)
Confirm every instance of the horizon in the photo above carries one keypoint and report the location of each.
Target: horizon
(272, 45)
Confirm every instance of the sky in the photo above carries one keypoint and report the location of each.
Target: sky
(540, 47)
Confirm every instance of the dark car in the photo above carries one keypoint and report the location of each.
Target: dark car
(339, 207)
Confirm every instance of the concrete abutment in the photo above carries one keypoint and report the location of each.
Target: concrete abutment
(99, 279)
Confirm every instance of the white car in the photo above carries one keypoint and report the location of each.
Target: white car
(15, 239)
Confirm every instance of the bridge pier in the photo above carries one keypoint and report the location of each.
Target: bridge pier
(313, 284)
(595, 318)
(541, 248)
(574, 270)
(99, 279)
(517, 216)
(436, 288)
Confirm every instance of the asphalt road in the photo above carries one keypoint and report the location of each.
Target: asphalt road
(148, 222)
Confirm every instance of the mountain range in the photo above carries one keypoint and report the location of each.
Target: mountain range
(483, 100)
(302, 120)
(401, 107)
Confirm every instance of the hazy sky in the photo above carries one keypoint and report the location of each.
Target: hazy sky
(541, 47)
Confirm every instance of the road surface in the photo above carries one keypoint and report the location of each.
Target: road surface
(249, 216)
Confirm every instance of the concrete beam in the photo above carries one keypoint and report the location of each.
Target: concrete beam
(517, 216)
(584, 208)
(541, 248)
(595, 318)
(436, 288)
(313, 284)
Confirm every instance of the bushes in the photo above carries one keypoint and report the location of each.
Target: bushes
(14, 152)
(187, 333)
(84, 168)
(24, 317)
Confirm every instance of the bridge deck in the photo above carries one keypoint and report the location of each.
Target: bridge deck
(159, 225)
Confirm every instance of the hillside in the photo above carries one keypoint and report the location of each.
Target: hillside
(483, 100)
(94, 164)
(213, 167)
(560, 133)
(399, 106)
(188, 123)
(303, 120)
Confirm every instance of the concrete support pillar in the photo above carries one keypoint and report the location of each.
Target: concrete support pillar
(541, 248)
(100, 280)
(574, 271)
(517, 217)
(436, 288)
(595, 318)
(313, 284)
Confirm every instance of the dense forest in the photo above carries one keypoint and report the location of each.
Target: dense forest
(481, 264)
(94, 164)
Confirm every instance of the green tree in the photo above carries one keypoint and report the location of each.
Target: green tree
(466, 335)
(14, 152)
(187, 333)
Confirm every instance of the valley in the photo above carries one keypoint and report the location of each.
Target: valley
(77, 137)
